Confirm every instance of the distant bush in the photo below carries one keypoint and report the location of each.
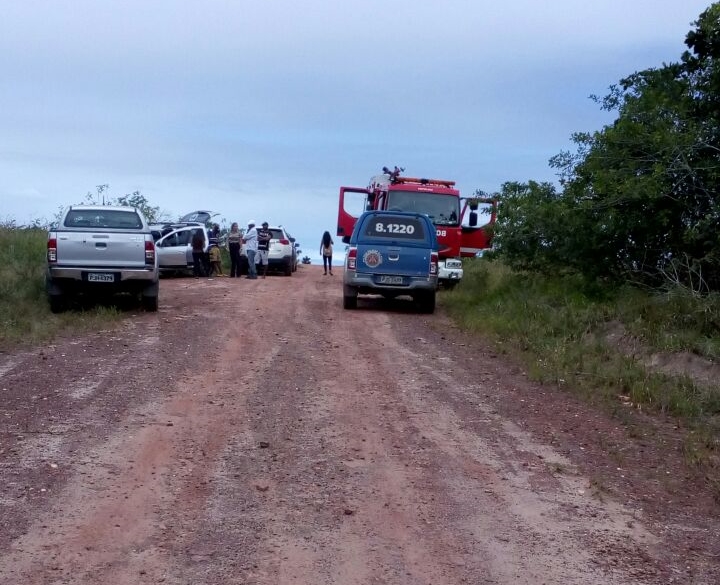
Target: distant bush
(559, 325)
(25, 317)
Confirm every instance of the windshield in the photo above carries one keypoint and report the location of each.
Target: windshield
(395, 227)
(105, 218)
(442, 209)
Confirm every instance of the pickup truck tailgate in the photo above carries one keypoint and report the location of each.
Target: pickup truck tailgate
(107, 249)
(400, 260)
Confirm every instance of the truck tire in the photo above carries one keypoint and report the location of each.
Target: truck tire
(57, 299)
(427, 302)
(150, 303)
(57, 303)
(349, 298)
(149, 298)
(288, 268)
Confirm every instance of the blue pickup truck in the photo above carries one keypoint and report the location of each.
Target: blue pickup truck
(392, 253)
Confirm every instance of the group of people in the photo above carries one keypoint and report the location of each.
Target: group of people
(210, 264)
(257, 248)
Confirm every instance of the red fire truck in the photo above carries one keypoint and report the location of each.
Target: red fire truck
(455, 217)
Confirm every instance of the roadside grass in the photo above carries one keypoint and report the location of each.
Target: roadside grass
(25, 317)
(561, 329)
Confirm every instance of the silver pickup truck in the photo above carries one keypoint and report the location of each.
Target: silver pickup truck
(101, 250)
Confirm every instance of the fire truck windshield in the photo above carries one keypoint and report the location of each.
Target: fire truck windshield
(442, 209)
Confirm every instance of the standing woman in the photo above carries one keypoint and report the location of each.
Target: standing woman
(326, 245)
(233, 238)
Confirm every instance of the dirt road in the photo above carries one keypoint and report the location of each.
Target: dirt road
(254, 432)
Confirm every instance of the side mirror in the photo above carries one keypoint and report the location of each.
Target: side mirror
(473, 219)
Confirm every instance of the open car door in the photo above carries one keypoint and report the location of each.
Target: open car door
(352, 202)
(200, 216)
(474, 237)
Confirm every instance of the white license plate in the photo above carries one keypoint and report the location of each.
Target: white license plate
(100, 277)
(385, 279)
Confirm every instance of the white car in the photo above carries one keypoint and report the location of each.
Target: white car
(282, 254)
(174, 249)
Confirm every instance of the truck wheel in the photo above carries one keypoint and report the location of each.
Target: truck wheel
(349, 298)
(57, 303)
(427, 302)
(149, 298)
(150, 303)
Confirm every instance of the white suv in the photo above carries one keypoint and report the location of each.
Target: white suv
(282, 255)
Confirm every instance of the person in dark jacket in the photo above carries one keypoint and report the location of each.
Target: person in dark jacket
(264, 235)
(198, 251)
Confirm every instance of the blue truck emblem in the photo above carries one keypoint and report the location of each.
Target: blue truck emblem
(372, 258)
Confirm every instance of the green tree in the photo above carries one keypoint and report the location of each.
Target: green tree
(525, 231)
(632, 183)
(136, 199)
(641, 197)
(99, 197)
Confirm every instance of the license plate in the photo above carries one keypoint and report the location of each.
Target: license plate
(100, 277)
(386, 279)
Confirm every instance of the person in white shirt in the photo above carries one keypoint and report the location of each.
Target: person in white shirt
(251, 245)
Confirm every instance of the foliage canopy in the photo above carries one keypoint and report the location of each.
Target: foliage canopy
(640, 198)
(134, 199)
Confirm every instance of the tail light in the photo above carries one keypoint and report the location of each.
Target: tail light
(149, 252)
(284, 242)
(352, 258)
(52, 250)
(433, 263)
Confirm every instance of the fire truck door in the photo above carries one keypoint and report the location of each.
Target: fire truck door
(353, 201)
(475, 239)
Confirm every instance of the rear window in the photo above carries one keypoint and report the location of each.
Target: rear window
(277, 234)
(115, 218)
(397, 228)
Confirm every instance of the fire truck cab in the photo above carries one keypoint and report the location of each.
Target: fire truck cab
(455, 218)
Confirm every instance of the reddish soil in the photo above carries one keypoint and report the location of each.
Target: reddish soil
(257, 433)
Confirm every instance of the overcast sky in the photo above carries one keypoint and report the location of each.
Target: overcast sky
(262, 109)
